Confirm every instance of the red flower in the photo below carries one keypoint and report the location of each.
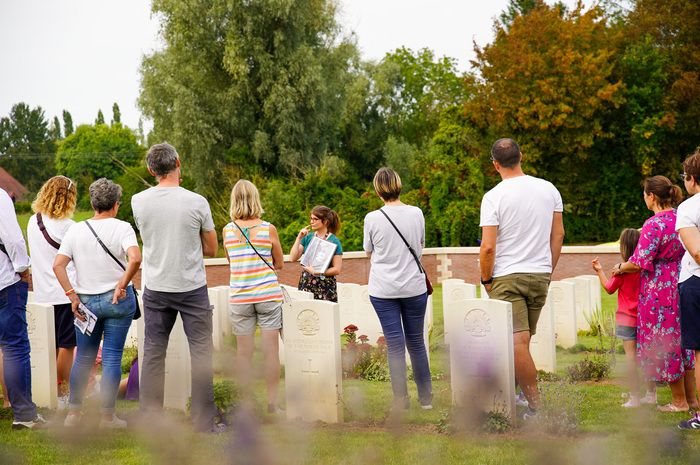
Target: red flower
(381, 341)
(349, 329)
(363, 338)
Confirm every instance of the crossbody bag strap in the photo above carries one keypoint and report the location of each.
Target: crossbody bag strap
(42, 228)
(410, 249)
(254, 249)
(121, 265)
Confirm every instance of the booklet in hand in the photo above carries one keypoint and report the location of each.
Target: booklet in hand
(85, 327)
(318, 254)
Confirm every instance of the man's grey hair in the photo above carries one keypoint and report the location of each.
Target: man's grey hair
(162, 159)
(104, 194)
(506, 152)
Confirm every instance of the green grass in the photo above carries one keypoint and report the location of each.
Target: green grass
(606, 433)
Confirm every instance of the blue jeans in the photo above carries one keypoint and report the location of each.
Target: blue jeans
(402, 321)
(113, 321)
(14, 342)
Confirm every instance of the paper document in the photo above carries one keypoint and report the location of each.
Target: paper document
(318, 254)
(88, 325)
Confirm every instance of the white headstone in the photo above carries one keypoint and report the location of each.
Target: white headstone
(223, 310)
(543, 344)
(582, 297)
(217, 333)
(482, 292)
(132, 335)
(42, 342)
(313, 369)
(596, 298)
(178, 368)
(294, 294)
(455, 290)
(481, 355)
(562, 296)
(429, 314)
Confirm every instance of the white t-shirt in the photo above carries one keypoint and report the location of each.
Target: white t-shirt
(97, 272)
(394, 273)
(47, 290)
(523, 208)
(688, 216)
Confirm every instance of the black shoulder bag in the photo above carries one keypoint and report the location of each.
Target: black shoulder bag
(137, 313)
(428, 284)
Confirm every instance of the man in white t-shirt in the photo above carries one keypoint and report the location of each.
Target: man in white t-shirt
(688, 227)
(522, 236)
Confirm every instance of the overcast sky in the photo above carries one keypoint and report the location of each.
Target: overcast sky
(83, 55)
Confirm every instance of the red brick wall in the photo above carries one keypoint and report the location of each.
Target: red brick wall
(463, 266)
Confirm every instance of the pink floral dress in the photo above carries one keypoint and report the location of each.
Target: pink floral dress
(659, 253)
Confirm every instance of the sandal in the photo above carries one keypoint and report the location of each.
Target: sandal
(671, 408)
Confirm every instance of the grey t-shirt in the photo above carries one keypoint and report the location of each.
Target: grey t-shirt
(170, 220)
(394, 273)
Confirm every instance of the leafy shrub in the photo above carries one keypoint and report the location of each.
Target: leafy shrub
(577, 348)
(226, 395)
(602, 322)
(545, 376)
(130, 353)
(362, 360)
(593, 369)
(25, 206)
(497, 421)
(560, 411)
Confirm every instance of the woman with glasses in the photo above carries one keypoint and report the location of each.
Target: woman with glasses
(53, 209)
(324, 224)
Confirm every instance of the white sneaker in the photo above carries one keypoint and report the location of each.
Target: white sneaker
(38, 423)
(114, 423)
(632, 402)
(521, 400)
(649, 398)
(72, 420)
(63, 402)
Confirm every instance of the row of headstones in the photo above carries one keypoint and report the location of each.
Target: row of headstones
(559, 322)
(567, 310)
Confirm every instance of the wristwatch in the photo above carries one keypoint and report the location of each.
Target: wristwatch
(488, 281)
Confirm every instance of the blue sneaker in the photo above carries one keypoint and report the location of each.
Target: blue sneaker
(693, 423)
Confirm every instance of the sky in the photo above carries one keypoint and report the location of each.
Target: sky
(84, 55)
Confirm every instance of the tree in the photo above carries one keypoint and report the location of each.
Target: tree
(55, 129)
(242, 82)
(100, 118)
(67, 123)
(26, 148)
(116, 114)
(97, 151)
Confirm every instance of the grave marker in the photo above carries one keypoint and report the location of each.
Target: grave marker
(543, 344)
(313, 369)
(562, 296)
(42, 343)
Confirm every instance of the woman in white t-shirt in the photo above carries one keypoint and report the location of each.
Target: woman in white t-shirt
(102, 285)
(53, 209)
(397, 286)
(688, 227)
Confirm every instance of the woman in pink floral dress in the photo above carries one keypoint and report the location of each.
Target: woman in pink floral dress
(658, 257)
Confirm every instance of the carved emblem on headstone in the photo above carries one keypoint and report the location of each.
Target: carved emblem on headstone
(308, 322)
(477, 323)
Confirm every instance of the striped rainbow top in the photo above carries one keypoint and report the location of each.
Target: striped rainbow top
(251, 280)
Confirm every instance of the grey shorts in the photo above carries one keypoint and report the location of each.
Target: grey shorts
(268, 315)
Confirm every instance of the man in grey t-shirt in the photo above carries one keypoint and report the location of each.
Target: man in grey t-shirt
(177, 231)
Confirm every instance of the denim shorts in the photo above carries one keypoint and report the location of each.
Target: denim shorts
(626, 333)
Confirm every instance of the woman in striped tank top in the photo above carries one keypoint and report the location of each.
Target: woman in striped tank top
(253, 250)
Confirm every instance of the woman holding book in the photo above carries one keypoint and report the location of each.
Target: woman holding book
(324, 224)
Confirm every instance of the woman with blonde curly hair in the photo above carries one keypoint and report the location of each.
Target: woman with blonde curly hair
(54, 207)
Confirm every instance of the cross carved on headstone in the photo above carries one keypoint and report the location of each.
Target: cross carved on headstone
(309, 369)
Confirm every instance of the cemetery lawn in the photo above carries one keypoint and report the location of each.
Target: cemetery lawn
(599, 432)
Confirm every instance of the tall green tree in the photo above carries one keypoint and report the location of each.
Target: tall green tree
(116, 114)
(67, 123)
(26, 147)
(97, 151)
(55, 129)
(100, 118)
(245, 83)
